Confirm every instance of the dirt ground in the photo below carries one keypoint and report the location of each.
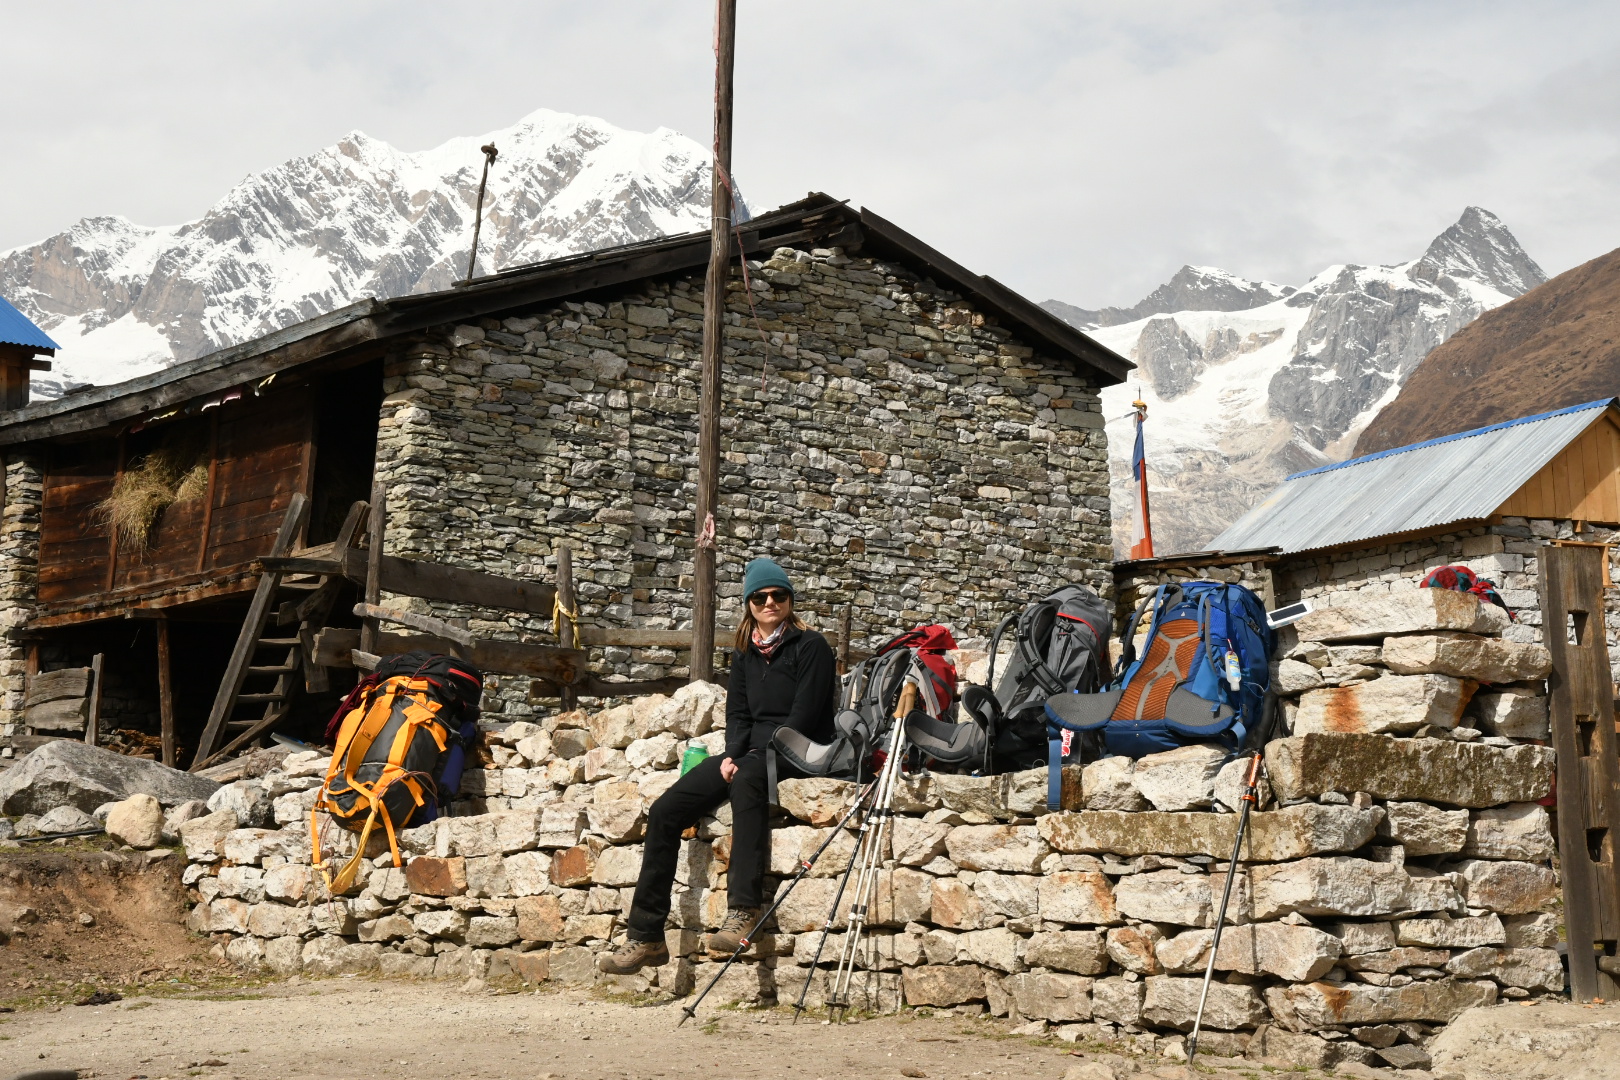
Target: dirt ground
(111, 921)
(360, 1027)
(106, 920)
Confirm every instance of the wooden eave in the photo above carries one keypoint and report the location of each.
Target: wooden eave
(365, 326)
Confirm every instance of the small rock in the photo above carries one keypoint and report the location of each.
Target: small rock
(1105, 784)
(137, 821)
(85, 918)
(1180, 779)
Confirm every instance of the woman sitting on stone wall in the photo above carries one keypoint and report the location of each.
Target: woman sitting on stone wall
(781, 673)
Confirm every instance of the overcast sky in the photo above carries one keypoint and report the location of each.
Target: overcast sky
(1077, 150)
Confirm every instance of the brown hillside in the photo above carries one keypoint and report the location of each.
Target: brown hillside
(1555, 346)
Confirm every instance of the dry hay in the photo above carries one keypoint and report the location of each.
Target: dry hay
(172, 473)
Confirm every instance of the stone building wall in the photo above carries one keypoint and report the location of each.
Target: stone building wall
(1390, 881)
(1505, 552)
(19, 578)
(899, 453)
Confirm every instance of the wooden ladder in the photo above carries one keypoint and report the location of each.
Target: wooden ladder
(304, 599)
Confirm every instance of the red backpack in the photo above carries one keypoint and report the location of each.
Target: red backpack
(931, 643)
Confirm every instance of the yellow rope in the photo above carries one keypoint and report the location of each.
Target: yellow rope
(558, 613)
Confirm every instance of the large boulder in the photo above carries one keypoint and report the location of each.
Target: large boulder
(1312, 1006)
(1394, 703)
(1467, 656)
(1411, 611)
(69, 773)
(1557, 1041)
(1429, 770)
(1273, 836)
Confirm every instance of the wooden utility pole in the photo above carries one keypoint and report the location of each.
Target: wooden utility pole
(714, 318)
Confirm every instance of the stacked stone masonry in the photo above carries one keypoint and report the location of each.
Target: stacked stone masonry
(900, 454)
(19, 576)
(1389, 882)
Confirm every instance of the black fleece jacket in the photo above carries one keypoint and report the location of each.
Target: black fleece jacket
(796, 687)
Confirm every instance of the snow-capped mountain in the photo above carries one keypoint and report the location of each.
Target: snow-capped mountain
(1247, 381)
(356, 219)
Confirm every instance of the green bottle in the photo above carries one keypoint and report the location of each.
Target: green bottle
(695, 755)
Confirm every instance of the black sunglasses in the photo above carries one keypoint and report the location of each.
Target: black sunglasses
(776, 596)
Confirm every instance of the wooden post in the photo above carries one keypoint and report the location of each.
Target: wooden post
(567, 633)
(376, 523)
(843, 642)
(92, 723)
(1581, 704)
(714, 317)
(165, 692)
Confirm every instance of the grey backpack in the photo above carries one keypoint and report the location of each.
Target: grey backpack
(1061, 646)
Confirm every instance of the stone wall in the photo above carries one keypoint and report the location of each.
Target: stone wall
(19, 576)
(902, 455)
(1389, 882)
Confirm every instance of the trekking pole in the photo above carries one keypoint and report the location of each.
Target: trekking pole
(832, 912)
(1251, 784)
(871, 856)
(804, 868)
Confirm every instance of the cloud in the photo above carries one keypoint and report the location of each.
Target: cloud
(1082, 151)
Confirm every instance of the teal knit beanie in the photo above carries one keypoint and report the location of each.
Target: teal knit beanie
(764, 574)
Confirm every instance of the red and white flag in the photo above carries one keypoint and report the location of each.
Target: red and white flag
(1141, 520)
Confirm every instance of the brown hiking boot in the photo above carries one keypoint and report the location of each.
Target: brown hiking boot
(739, 922)
(634, 956)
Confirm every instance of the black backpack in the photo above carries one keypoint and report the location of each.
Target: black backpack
(867, 698)
(1061, 647)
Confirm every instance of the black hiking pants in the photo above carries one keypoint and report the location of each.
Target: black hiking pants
(692, 796)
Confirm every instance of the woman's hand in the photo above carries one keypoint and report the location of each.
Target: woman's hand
(728, 769)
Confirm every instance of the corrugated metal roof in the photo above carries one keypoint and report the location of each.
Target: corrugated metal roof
(17, 329)
(1462, 477)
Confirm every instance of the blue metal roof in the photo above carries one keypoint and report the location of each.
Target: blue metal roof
(17, 329)
(1462, 477)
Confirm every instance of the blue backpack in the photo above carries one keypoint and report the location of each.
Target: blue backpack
(1201, 678)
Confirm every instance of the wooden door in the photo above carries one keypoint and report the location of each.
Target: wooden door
(1582, 703)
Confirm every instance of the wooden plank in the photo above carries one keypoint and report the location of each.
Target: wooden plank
(455, 585)
(112, 533)
(165, 693)
(567, 619)
(563, 666)
(426, 624)
(141, 602)
(211, 497)
(248, 640)
(92, 722)
(68, 714)
(56, 685)
(378, 521)
(1569, 688)
(430, 581)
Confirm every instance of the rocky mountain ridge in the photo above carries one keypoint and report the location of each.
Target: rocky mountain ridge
(1549, 349)
(359, 218)
(1239, 397)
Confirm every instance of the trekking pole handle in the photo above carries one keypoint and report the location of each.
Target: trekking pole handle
(908, 699)
(1251, 783)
